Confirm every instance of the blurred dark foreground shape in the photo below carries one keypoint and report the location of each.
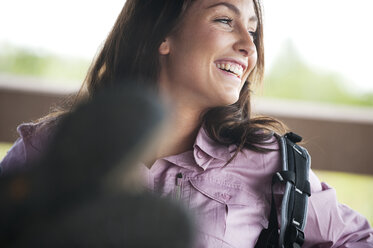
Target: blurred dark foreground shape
(78, 195)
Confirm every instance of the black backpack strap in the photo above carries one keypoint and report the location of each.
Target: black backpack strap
(296, 160)
(295, 173)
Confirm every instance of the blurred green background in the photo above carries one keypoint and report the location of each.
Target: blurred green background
(288, 78)
(38, 63)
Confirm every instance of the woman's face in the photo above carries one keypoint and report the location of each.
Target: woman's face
(207, 61)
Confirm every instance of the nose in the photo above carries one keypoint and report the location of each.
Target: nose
(245, 43)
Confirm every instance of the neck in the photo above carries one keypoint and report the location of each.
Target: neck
(180, 133)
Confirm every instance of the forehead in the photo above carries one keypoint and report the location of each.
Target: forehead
(245, 8)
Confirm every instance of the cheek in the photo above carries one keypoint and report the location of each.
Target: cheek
(252, 60)
(203, 42)
(216, 41)
(196, 53)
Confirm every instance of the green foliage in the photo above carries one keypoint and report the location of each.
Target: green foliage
(293, 79)
(27, 62)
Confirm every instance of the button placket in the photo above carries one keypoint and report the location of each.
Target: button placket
(178, 187)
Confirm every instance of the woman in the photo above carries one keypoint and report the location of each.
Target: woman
(204, 56)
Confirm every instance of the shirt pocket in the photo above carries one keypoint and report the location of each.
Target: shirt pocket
(209, 206)
(246, 218)
(229, 211)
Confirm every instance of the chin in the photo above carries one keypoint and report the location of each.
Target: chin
(229, 100)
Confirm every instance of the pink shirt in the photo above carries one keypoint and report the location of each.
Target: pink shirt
(231, 203)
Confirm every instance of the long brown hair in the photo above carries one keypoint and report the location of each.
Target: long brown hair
(131, 52)
(131, 49)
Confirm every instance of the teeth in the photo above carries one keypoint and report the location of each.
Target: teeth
(236, 69)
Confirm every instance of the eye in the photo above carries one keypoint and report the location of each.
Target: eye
(253, 34)
(225, 20)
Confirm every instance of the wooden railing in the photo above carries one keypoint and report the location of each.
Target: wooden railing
(25, 100)
(338, 138)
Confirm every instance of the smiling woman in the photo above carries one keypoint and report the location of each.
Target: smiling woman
(209, 36)
(203, 57)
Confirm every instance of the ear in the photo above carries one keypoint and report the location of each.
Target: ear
(164, 48)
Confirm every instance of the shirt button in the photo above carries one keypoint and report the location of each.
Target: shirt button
(199, 155)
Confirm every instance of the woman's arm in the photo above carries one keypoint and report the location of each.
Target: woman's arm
(331, 224)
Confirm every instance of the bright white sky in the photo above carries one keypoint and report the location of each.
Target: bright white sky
(334, 35)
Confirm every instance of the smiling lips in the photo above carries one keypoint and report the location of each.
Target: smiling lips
(231, 67)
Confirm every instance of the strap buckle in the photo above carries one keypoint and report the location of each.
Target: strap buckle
(294, 237)
(284, 176)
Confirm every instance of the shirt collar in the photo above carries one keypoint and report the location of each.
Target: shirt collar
(206, 149)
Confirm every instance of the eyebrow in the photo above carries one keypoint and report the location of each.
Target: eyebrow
(233, 8)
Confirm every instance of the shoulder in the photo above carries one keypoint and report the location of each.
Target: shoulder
(268, 161)
(255, 169)
(32, 141)
(34, 134)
